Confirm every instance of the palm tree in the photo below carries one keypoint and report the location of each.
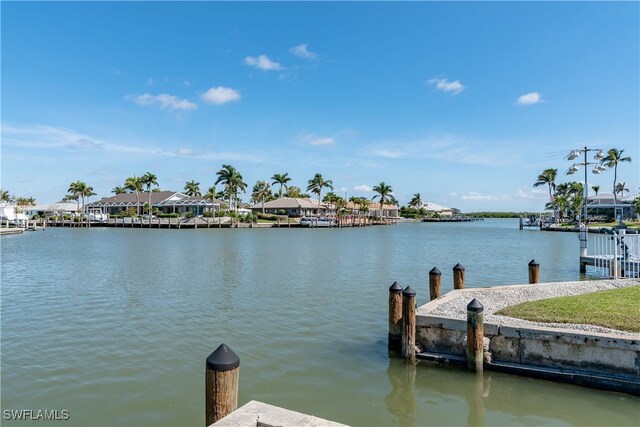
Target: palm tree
(548, 177)
(118, 190)
(621, 188)
(192, 188)
(416, 201)
(576, 203)
(636, 205)
(78, 189)
(384, 194)
(261, 191)
(5, 195)
(211, 195)
(317, 184)
(232, 179)
(595, 188)
(149, 180)
(25, 201)
(134, 184)
(614, 156)
(281, 179)
(88, 192)
(295, 193)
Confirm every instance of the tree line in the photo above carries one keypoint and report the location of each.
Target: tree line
(233, 183)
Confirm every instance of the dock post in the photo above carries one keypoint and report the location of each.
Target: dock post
(521, 223)
(534, 272)
(458, 276)
(395, 317)
(475, 335)
(221, 384)
(435, 283)
(409, 324)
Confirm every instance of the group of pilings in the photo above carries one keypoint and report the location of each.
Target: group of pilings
(402, 315)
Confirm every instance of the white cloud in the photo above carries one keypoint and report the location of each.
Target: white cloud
(316, 140)
(220, 95)
(529, 99)
(151, 81)
(165, 101)
(472, 195)
(452, 149)
(389, 153)
(531, 194)
(363, 187)
(48, 137)
(445, 85)
(302, 51)
(188, 152)
(262, 62)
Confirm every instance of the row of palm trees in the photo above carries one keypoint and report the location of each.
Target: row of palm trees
(5, 196)
(233, 183)
(561, 199)
(79, 190)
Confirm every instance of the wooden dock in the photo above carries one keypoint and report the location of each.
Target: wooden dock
(219, 222)
(452, 219)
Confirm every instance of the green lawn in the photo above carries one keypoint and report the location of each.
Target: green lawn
(615, 309)
(630, 224)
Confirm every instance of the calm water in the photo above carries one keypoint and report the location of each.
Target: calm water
(114, 325)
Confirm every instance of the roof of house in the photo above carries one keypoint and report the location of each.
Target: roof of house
(608, 199)
(158, 198)
(429, 206)
(53, 207)
(376, 206)
(290, 203)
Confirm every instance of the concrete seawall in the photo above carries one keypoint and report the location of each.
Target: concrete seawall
(602, 359)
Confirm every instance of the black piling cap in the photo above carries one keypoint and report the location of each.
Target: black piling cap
(395, 288)
(458, 266)
(475, 306)
(408, 292)
(223, 359)
(533, 262)
(435, 272)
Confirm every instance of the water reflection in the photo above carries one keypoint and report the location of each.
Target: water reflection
(401, 400)
(474, 394)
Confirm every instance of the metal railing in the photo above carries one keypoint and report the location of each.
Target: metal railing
(616, 255)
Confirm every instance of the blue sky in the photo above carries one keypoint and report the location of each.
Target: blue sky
(464, 103)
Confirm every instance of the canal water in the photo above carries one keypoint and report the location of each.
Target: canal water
(114, 325)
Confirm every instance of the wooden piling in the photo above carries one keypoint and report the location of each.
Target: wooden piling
(435, 283)
(221, 384)
(534, 272)
(475, 335)
(395, 317)
(458, 276)
(409, 324)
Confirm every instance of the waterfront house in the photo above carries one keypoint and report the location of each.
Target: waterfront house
(434, 208)
(58, 208)
(164, 201)
(388, 211)
(291, 206)
(604, 205)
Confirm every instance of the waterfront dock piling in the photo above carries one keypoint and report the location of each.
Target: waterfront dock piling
(435, 283)
(409, 324)
(534, 272)
(475, 336)
(221, 384)
(458, 276)
(395, 317)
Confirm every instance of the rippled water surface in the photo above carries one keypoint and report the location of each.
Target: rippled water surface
(114, 325)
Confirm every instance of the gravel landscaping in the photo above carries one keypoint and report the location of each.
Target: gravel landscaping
(454, 304)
